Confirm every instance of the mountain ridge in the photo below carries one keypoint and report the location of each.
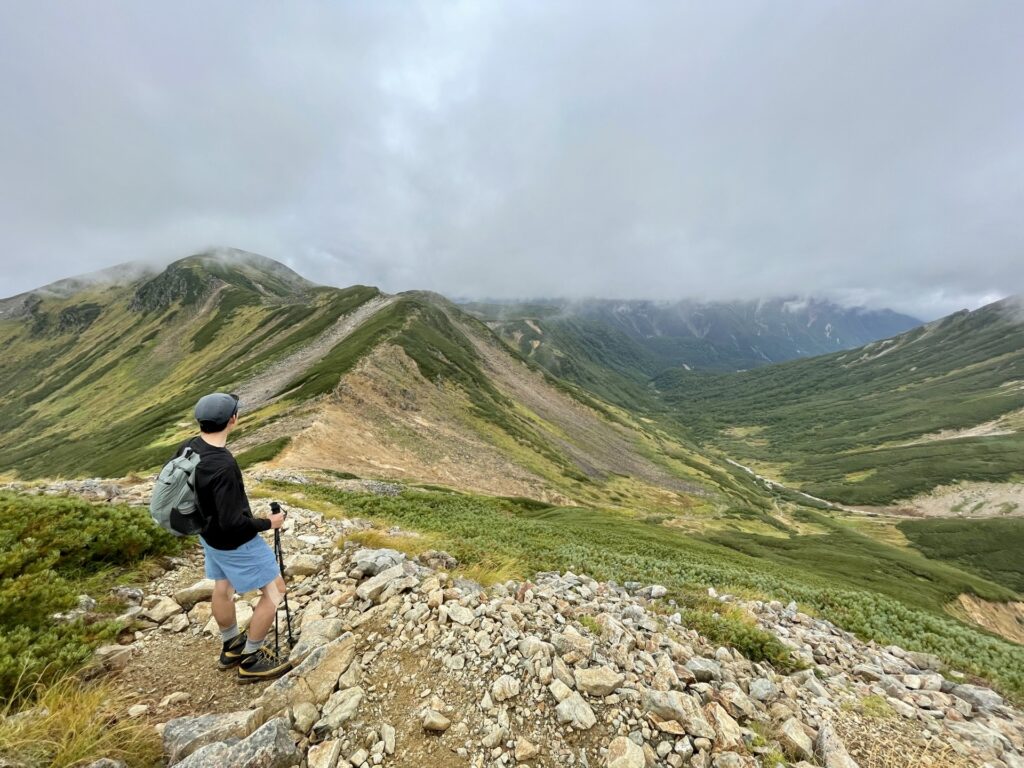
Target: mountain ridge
(404, 385)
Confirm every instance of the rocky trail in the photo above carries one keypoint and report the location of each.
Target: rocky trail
(400, 664)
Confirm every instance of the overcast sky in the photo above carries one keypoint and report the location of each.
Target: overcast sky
(862, 151)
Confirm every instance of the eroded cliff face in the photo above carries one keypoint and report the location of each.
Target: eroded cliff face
(1005, 619)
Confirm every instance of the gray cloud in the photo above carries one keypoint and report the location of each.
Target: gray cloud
(866, 152)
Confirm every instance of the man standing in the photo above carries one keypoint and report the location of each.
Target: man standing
(237, 557)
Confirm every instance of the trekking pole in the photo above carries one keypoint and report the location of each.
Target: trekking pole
(275, 508)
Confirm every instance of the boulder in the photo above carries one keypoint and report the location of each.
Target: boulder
(494, 736)
(177, 623)
(303, 564)
(314, 679)
(534, 648)
(705, 670)
(924, 661)
(303, 715)
(387, 735)
(830, 749)
(270, 746)
(184, 735)
(243, 615)
(325, 755)
(436, 722)
(370, 562)
(674, 705)
(372, 589)
(762, 689)
(199, 592)
(314, 634)
(525, 750)
(504, 688)
(727, 731)
(113, 657)
(623, 753)
(576, 712)
(598, 681)
(794, 740)
(459, 614)
(161, 609)
(572, 646)
(339, 709)
(200, 614)
(977, 697)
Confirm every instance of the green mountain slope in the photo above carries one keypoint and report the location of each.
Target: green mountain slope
(101, 377)
(96, 380)
(884, 422)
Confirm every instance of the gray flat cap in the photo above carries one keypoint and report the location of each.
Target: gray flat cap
(218, 407)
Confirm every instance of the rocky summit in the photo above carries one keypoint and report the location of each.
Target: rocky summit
(397, 663)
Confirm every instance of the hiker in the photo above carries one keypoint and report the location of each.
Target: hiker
(237, 557)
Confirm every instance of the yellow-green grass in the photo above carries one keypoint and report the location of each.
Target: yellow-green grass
(74, 723)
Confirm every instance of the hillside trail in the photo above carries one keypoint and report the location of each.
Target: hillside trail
(262, 388)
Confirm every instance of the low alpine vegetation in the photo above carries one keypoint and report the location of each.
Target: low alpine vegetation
(51, 550)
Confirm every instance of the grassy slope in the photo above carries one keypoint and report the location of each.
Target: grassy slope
(876, 590)
(991, 548)
(841, 424)
(105, 399)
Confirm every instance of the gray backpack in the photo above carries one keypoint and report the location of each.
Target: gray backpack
(174, 505)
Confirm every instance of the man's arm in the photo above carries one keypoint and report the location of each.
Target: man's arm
(232, 504)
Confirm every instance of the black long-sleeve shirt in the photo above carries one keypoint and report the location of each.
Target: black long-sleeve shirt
(220, 492)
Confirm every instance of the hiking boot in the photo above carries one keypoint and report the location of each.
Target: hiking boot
(231, 652)
(263, 664)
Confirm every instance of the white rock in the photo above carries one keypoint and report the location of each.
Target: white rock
(624, 753)
(460, 614)
(504, 688)
(576, 712)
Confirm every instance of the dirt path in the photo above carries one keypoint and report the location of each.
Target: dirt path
(182, 662)
(260, 390)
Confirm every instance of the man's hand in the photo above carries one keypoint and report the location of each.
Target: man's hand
(276, 520)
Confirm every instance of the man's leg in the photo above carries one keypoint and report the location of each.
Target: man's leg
(263, 614)
(263, 663)
(224, 613)
(224, 605)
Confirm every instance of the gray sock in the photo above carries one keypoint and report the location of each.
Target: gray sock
(251, 646)
(230, 633)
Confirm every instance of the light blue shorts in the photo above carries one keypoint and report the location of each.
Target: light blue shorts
(249, 567)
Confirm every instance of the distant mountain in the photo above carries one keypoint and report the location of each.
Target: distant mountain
(614, 347)
(941, 403)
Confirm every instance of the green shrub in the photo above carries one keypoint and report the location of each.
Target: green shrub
(264, 452)
(49, 548)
